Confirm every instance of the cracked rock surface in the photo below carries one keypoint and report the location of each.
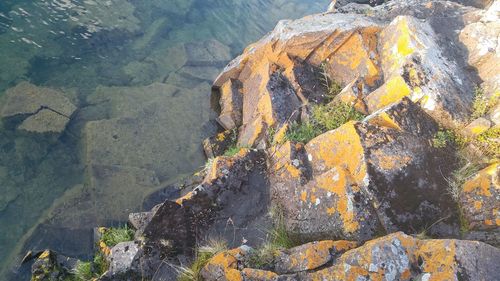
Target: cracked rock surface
(47, 110)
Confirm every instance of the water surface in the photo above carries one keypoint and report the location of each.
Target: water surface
(139, 73)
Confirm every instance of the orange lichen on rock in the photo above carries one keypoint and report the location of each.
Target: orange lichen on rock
(338, 148)
(356, 57)
(394, 89)
(311, 255)
(479, 199)
(258, 275)
(224, 266)
(338, 182)
(438, 259)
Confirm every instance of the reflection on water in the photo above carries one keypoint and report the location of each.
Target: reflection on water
(138, 74)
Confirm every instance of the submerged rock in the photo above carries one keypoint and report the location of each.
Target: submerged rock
(45, 110)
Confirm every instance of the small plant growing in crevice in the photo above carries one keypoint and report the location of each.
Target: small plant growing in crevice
(112, 236)
(323, 118)
(482, 104)
(333, 88)
(443, 138)
(232, 151)
(203, 256)
(489, 143)
(278, 239)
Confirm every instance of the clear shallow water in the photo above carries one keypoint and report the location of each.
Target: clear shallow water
(139, 73)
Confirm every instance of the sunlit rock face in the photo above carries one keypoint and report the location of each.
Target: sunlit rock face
(393, 257)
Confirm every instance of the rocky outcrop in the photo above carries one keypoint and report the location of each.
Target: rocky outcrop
(378, 175)
(392, 257)
(44, 110)
(345, 197)
(480, 204)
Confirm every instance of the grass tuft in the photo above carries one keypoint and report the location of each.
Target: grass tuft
(232, 150)
(279, 239)
(482, 104)
(324, 118)
(333, 88)
(113, 236)
(203, 256)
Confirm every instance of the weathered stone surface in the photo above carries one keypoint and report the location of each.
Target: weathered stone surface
(231, 103)
(479, 199)
(477, 127)
(481, 39)
(224, 266)
(381, 174)
(282, 71)
(121, 261)
(401, 257)
(310, 256)
(230, 204)
(216, 145)
(47, 110)
(250, 274)
(393, 257)
(49, 266)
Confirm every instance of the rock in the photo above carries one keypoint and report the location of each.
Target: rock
(281, 72)
(310, 256)
(218, 144)
(51, 266)
(45, 110)
(477, 127)
(482, 43)
(401, 257)
(393, 257)
(250, 274)
(479, 200)
(122, 261)
(224, 266)
(381, 174)
(231, 104)
(231, 191)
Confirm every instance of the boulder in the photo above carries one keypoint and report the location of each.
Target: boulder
(482, 43)
(283, 71)
(216, 145)
(50, 265)
(378, 175)
(393, 257)
(44, 110)
(401, 257)
(310, 256)
(479, 201)
(224, 266)
(122, 261)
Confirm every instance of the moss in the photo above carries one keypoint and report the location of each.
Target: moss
(323, 118)
(113, 236)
